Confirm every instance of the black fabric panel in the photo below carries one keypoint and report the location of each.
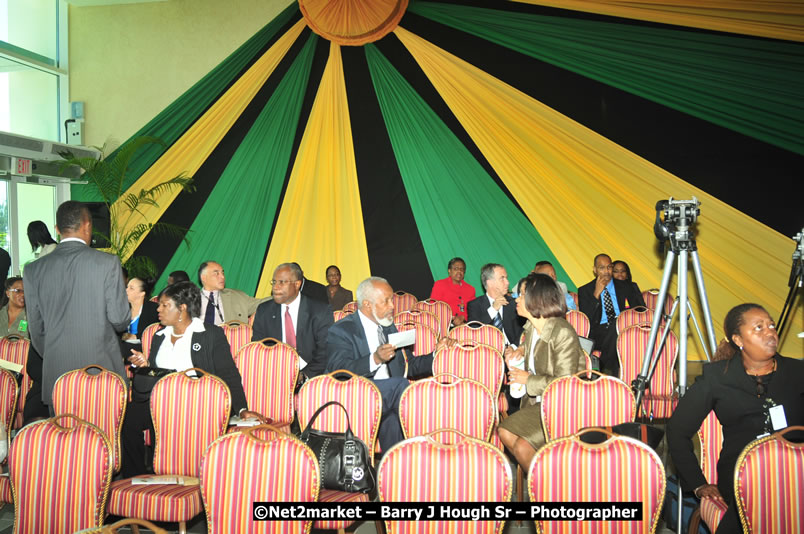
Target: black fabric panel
(186, 207)
(394, 246)
(750, 175)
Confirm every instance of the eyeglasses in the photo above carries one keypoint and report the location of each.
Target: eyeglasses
(17, 290)
(282, 282)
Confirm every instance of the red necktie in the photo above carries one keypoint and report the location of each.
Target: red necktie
(290, 332)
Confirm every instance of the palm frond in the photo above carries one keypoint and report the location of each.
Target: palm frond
(141, 267)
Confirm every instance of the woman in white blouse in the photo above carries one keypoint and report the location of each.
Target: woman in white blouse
(184, 342)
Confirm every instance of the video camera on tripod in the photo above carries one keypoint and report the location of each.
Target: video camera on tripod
(679, 215)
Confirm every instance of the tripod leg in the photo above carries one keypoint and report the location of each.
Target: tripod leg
(696, 265)
(682, 324)
(700, 335)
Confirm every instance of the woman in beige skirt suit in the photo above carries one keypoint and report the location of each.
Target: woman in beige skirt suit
(551, 350)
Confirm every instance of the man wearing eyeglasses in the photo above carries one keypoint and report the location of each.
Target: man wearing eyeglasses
(295, 319)
(220, 304)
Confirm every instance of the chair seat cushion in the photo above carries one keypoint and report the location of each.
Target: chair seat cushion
(712, 512)
(338, 496)
(157, 502)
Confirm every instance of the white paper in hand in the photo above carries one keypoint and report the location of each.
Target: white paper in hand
(518, 390)
(402, 339)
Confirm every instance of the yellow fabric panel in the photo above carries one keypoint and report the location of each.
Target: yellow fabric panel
(586, 194)
(191, 150)
(765, 18)
(321, 220)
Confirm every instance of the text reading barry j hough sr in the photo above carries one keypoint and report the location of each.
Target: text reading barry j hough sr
(488, 511)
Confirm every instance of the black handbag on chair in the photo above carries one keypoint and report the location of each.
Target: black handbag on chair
(343, 459)
(143, 382)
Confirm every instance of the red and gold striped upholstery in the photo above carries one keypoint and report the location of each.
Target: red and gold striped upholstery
(570, 404)
(8, 401)
(579, 321)
(15, 349)
(769, 484)
(147, 338)
(440, 309)
(619, 469)
(417, 316)
(188, 414)
(447, 402)
(269, 377)
(711, 437)
(256, 464)
(98, 398)
(362, 400)
(350, 307)
(479, 333)
(475, 361)
(426, 337)
(60, 472)
(425, 469)
(238, 334)
(634, 316)
(651, 298)
(660, 399)
(337, 315)
(404, 301)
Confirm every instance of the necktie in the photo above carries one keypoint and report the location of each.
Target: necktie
(383, 340)
(290, 332)
(497, 321)
(609, 307)
(209, 316)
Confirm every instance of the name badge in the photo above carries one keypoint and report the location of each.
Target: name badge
(778, 419)
(23, 326)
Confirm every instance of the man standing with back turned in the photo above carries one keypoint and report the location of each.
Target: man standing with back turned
(76, 302)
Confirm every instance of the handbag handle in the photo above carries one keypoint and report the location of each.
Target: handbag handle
(307, 430)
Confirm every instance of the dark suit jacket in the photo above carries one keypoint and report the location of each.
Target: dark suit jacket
(348, 349)
(148, 316)
(314, 321)
(214, 355)
(593, 307)
(476, 310)
(313, 289)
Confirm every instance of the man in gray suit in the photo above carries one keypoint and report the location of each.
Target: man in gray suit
(76, 302)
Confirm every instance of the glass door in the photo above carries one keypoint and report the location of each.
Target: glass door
(34, 202)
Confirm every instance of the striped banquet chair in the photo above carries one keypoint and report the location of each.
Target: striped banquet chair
(404, 301)
(188, 413)
(417, 316)
(579, 321)
(620, 469)
(362, 400)
(269, 376)
(426, 469)
(445, 402)
(479, 333)
(570, 404)
(651, 298)
(426, 337)
(440, 309)
(60, 472)
(660, 398)
(471, 360)
(8, 405)
(337, 315)
(257, 464)
(350, 307)
(15, 349)
(711, 436)
(238, 334)
(634, 316)
(147, 339)
(98, 398)
(769, 484)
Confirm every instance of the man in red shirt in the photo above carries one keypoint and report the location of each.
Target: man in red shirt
(454, 291)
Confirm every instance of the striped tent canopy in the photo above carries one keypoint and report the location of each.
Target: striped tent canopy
(387, 137)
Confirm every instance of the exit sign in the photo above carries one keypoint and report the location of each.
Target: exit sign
(21, 166)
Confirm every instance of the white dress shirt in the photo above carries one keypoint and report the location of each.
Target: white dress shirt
(373, 339)
(177, 356)
(493, 313)
(293, 307)
(216, 297)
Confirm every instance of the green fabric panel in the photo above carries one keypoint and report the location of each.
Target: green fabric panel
(750, 85)
(174, 120)
(235, 223)
(459, 209)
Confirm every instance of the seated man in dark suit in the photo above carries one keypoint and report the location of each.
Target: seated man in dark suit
(496, 307)
(359, 343)
(295, 319)
(602, 300)
(311, 288)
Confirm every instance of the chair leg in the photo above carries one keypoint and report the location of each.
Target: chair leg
(341, 531)
(183, 527)
(695, 521)
(135, 529)
(520, 483)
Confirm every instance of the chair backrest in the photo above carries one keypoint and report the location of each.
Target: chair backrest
(256, 464)
(188, 413)
(447, 402)
(360, 396)
(269, 377)
(404, 301)
(651, 298)
(147, 338)
(426, 337)
(60, 470)
(424, 469)
(440, 309)
(472, 360)
(238, 334)
(479, 333)
(711, 436)
(417, 316)
(350, 307)
(634, 316)
(631, 345)
(9, 391)
(15, 349)
(570, 404)
(769, 484)
(98, 398)
(337, 315)
(620, 469)
(579, 321)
